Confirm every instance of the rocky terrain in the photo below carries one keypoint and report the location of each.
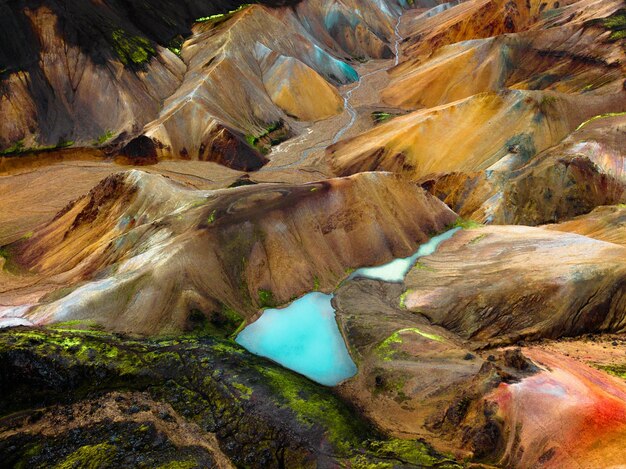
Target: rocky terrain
(440, 184)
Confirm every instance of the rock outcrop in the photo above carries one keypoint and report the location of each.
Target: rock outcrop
(605, 223)
(478, 133)
(584, 171)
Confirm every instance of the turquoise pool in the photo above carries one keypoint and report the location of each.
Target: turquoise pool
(303, 337)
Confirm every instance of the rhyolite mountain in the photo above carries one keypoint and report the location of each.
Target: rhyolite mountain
(101, 75)
(448, 176)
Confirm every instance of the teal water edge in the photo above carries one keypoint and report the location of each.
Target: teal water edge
(396, 270)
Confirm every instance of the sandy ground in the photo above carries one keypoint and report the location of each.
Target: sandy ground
(593, 350)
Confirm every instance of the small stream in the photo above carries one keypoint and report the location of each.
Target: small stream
(348, 96)
(347, 106)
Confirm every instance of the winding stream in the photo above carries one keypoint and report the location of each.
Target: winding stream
(399, 38)
(348, 96)
(347, 106)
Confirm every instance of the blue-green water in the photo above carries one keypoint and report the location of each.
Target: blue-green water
(303, 337)
(396, 270)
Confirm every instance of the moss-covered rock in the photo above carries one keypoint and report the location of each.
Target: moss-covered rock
(262, 414)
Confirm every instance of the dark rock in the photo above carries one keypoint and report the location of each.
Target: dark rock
(133, 409)
(515, 359)
(140, 150)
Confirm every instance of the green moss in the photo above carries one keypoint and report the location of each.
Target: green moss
(386, 454)
(227, 348)
(105, 137)
(82, 347)
(187, 464)
(362, 462)
(176, 45)
(314, 407)
(478, 238)
(131, 50)
(89, 457)
(245, 391)
(465, 224)
(239, 329)
(220, 16)
(198, 203)
(18, 148)
(232, 315)
(222, 323)
(266, 298)
(600, 116)
(403, 299)
(617, 35)
(421, 266)
(61, 144)
(255, 140)
(211, 218)
(386, 349)
(616, 23)
(9, 264)
(615, 370)
(379, 116)
(75, 324)
(316, 283)
(408, 452)
(30, 452)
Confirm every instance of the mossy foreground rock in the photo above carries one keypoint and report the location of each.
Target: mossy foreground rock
(86, 399)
